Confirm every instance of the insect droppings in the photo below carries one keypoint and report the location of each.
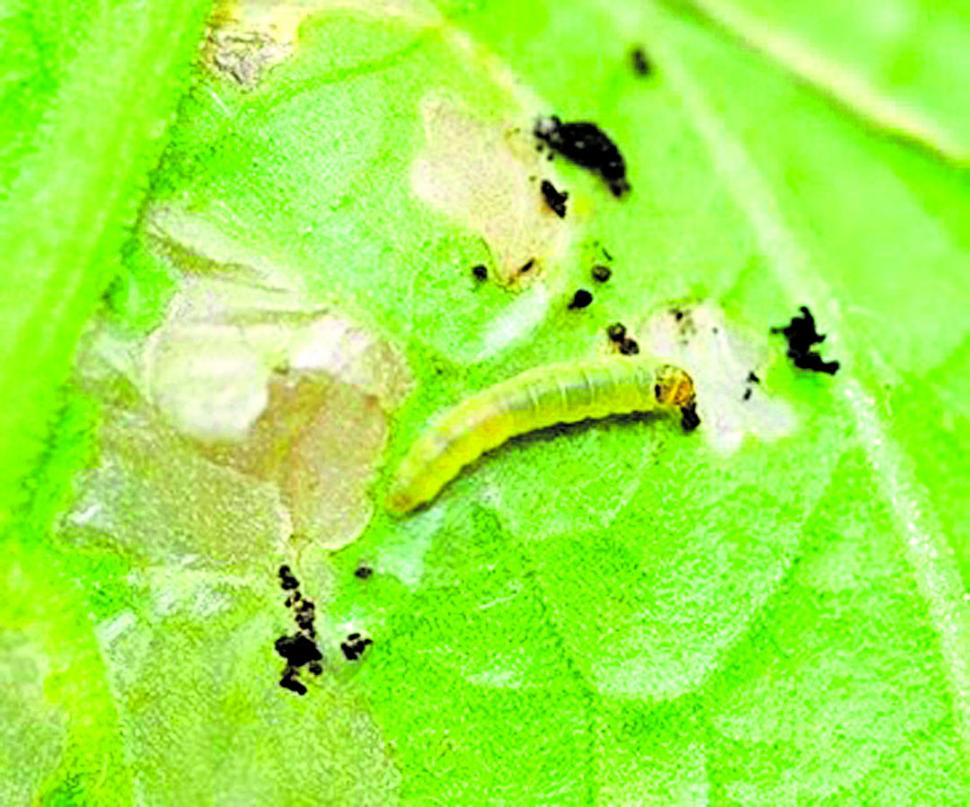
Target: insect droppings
(601, 273)
(287, 581)
(641, 64)
(616, 332)
(554, 199)
(290, 681)
(581, 299)
(586, 145)
(629, 347)
(535, 399)
(748, 389)
(363, 572)
(527, 266)
(480, 272)
(802, 336)
(354, 646)
(300, 649)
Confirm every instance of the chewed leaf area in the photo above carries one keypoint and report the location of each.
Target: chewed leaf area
(485, 177)
(247, 38)
(728, 367)
(249, 411)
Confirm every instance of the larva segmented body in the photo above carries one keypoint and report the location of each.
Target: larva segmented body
(564, 393)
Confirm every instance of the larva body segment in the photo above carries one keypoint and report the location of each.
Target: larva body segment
(563, 393)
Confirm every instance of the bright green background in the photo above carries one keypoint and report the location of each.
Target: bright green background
(785, 625)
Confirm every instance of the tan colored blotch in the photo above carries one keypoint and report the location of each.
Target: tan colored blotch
(719, 358)
(246, 383)
(248, 37)
(485, 176)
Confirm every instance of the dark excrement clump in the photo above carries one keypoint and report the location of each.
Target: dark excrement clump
(581, 299)
(586, 145)
(354, 646)
(641, 64)
(751, 379)
(287, 581)
(363, 571)
(290, 681)
(616, 332)
(480, 272)
(554, 199)
(298, 650)
(802, 336)
(527, 266)
(601, 273)
(629, 347)
(689, 419)
(304, 614)
(301, 649)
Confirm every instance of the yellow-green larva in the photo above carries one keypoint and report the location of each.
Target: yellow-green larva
(563, 393)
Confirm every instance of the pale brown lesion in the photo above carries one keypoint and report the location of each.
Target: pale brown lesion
(482, 174)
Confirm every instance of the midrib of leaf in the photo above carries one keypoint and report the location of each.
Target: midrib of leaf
(935, 574)
(848, 87)
(72, 198)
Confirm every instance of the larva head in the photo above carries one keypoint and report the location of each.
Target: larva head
(673, 387)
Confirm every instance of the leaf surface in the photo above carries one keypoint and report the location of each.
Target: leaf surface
(771, 610)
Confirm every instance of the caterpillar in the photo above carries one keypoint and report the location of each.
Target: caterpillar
(535, 399)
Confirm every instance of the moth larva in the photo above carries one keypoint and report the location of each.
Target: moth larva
(562, 393)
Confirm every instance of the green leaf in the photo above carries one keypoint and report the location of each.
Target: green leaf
(896, 64)
(771, 610)
(86, 93)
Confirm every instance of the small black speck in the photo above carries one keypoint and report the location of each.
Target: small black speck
(480, 272)
(802, 335)
(678, 314)
(689, 419)
(601, 273)
(606, 253)
(305, 613)
(629, 347)
(291, 682)
(641, 65)
(747, 395)
(753, 378)
(527, 266)
(362, 572)
(287, 581)
(315, 667)
(554, 199)
(616, 332)
(355, 646)
(581, 299)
